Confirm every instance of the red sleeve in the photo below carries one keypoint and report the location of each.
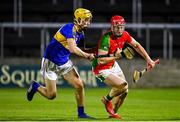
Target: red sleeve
(127, 36)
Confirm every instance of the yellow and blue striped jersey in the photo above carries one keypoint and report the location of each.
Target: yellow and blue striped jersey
(57, 51)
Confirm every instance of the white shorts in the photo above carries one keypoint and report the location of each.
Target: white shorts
(50, 71)
(115, 70)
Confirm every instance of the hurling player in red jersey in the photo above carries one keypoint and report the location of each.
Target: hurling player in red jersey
(108, 70)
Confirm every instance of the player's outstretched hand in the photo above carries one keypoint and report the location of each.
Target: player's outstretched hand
(118, 53)
(127, 53)
(150, 64)
(91, 56)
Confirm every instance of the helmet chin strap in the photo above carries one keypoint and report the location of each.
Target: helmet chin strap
(78, 26)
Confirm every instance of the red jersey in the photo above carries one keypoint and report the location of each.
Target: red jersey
(110, 43)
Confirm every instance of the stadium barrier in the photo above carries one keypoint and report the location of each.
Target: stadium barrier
(22, 75)
(166, 74)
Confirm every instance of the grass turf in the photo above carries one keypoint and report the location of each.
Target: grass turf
(140, 105)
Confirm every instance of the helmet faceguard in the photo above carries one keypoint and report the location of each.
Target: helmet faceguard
(117, 25)
(82, 17)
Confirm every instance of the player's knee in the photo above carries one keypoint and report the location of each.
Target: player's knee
(123, 85)
(126, 86)
(126, 92)
(52, 95)
(79, 86)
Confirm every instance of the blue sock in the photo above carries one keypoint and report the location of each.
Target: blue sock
(36, 85)
(80, 110)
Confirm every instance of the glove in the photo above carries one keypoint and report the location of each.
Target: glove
(128, 53)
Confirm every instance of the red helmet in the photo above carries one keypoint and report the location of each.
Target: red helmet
(117, 20)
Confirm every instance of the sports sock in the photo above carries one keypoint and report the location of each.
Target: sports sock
(36, 85)
(80, 110)
(109, 98)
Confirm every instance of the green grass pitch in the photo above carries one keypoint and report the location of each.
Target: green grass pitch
(140, 105)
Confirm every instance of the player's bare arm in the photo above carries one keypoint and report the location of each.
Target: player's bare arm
(142, 52)
(105, 60)
(76, 50)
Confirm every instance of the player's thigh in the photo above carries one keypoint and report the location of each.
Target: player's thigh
(48, 73)
(73, 78)
(118, 71)
(50, 86)
(122, 76)
(115, 81)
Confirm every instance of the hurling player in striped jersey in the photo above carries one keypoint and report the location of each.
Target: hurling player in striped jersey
(56, 62)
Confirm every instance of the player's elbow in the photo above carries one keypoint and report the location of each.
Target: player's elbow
(137, 46)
